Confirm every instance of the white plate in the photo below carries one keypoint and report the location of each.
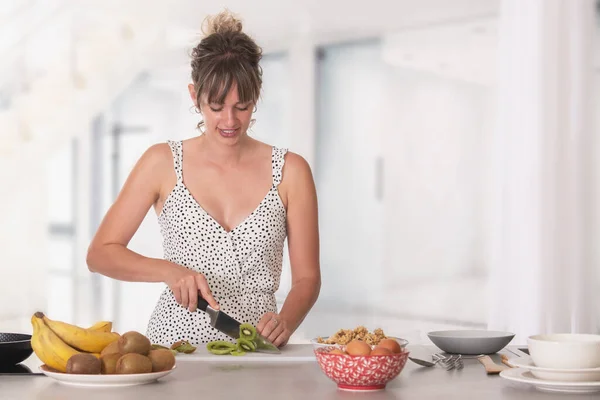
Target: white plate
(555, 374)
(471, 342)
(524, 376)
(105, 380)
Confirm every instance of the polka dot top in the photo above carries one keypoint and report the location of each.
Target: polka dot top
(242, 266)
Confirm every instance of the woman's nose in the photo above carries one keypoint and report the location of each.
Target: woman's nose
(230, 117)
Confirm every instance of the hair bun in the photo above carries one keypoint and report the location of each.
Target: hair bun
(222, 23)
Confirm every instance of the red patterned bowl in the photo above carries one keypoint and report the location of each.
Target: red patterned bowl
(360, 373)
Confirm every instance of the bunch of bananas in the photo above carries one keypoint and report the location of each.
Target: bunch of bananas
(54, 342)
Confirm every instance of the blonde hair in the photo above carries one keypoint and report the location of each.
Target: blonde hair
(223, 22)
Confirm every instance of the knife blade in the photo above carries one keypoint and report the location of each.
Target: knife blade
(229, 326)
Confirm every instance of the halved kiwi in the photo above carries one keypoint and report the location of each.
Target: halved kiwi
(245, 345)
(247, 331)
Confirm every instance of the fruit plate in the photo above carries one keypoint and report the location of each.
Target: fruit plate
(104, 380)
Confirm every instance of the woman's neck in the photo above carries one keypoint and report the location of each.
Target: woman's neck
(226, 155)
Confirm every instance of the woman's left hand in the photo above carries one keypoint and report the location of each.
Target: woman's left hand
(274, 328)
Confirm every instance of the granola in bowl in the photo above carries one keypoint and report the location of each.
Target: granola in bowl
(345, 336)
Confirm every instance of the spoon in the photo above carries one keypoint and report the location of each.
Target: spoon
(423, 362)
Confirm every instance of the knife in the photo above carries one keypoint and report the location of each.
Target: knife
(229, 326)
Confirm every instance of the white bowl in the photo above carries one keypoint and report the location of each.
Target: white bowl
(470, 342)
(565, 350)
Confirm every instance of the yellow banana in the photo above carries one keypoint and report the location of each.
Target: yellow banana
(48, 347)
(101, 326)
(81, 338)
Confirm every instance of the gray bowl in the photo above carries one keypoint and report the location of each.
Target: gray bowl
(470, 342)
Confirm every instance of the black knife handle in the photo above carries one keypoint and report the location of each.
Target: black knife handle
(202, 304)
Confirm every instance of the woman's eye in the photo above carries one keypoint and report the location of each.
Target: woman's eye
(237, 108)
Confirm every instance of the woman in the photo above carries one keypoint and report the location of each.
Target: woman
(222, 235)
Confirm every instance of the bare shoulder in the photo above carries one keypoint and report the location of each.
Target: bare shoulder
(295, 168)
(154, 168)
(297, 181)
(156, 155)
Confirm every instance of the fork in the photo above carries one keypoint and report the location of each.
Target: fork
(450, 362)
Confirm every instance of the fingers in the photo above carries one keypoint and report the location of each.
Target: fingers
(271, 326)
(185, 294)
(281, 340)
(263, 322)
(193, 294)
(274, 329)
(276, 332)
(186, 291)
(205, 291)
(177, 293)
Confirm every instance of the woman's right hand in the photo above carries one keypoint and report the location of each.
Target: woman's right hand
(185, 285)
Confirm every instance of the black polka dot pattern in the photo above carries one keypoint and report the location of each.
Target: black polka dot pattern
(242, 266)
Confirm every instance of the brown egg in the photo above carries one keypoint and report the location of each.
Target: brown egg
(381, 351)
(358, 348)
(337, 351)
(390, 344)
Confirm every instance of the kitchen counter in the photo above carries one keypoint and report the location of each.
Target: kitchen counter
(287, 380)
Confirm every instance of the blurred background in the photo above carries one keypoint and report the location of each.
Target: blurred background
(451, 141)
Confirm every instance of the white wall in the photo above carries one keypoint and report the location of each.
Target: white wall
(435, 196)
(434, 166)
(424, 238)
(23, 238)
(351, 87)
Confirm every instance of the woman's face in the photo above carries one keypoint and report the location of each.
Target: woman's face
(227, 122)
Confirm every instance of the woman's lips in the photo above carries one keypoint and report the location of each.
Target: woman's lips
(228, 132)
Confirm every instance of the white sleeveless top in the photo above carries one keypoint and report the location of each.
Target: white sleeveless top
(242, 266)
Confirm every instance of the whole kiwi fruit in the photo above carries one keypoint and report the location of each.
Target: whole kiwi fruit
(162, 360)
(133, 363)
(134, 342)
(83, 363)
(109, 363)
(111, 348)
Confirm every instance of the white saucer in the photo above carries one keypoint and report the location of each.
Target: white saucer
(555, 374)
(524, 376)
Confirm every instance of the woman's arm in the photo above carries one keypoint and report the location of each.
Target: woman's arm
(303, 245)
(108, 253)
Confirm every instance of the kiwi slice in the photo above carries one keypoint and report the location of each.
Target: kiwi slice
(183, 346)
(247, 331)
(220, 347)
(245, 345)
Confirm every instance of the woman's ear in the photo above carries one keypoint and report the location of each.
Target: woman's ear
(192, 91)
